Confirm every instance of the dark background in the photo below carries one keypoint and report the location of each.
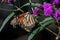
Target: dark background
(8, 33)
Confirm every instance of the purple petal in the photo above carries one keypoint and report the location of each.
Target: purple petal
(57, 15)
(46, 5)
(9, 1)
(35, 11)
(48, 11)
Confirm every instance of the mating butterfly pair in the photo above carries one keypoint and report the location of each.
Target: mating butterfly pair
(25, 20)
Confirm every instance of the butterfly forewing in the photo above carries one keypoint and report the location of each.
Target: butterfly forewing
(26, 20)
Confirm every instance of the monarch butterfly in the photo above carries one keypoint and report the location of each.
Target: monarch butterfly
(25, 20)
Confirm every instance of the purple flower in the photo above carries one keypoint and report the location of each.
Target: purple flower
(9, 1)
(35, 11)
(57, 15)
(46, 5)
(48, 11)
(55, 1)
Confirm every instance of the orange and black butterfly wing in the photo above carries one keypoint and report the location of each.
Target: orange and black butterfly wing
(28, 22)
(25, 21)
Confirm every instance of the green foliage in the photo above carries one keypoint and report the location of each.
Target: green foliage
(6, 20)
(46, 20)
(43, 24)
(32, 4)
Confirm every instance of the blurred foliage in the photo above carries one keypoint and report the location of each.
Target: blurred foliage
(6, 20)
(19, 5)
(45, 23)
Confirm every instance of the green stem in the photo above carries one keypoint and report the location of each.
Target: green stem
(39, 29)
(32, 4)
(6, 20)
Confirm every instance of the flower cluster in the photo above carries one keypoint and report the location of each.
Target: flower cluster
(48, 10)
(57, 15)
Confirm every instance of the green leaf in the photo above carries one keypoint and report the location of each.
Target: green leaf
(33, 4)
(41, 28)
(46, 20)
(6, 20)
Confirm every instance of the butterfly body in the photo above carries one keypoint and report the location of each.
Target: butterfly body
(25, 20)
